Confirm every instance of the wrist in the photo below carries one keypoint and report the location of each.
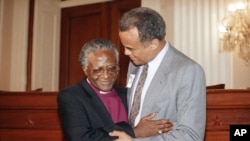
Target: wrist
(135, 132)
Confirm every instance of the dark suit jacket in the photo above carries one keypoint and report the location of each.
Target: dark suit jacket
(84, 116)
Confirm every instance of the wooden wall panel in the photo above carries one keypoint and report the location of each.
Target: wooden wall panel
(31, 135)
(118, 9)
(82, 23)
(29, 119)
(33, 116)
(79, 25)
(226, 107)
(29, 116)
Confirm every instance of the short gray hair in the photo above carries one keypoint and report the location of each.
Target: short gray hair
(96, 45)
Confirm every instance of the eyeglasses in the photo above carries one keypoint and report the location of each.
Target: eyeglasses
(111, 70)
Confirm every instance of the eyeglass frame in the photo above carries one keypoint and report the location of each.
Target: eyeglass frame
(111, 70)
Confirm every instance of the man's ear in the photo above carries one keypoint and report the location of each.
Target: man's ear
(84, 69)
(154, 44)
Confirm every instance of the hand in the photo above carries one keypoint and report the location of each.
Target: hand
(122, 136)
(148, 127)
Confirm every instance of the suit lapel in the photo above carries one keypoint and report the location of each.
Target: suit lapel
(159, 80)
(133, 70)
(96, 102)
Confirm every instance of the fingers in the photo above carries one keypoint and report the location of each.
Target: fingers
(164, 126)
(150, 127)
(162, 122)
(149, 117)
(122, 136)
(161, 126)
(165, 129)
(115, 133)
(160, 132)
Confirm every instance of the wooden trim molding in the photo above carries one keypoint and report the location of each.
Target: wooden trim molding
(30, 45)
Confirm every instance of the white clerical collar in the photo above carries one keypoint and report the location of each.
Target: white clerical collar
(102, 92)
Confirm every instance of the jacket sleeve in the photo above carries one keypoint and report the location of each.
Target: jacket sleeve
(124, 126)
(75, 123)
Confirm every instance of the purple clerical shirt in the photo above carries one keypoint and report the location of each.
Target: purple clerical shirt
(113, 104)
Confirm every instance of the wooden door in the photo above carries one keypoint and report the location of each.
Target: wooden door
(82, 23)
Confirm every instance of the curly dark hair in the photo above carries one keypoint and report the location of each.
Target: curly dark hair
(149, 23)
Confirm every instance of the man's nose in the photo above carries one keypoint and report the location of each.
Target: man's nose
(105, 73)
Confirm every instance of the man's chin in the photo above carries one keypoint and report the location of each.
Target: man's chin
(106, 89)
(136, 63)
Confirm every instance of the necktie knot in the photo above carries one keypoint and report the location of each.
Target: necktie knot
(145, 68)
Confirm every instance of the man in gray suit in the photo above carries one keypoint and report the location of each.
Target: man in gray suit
(175, 86)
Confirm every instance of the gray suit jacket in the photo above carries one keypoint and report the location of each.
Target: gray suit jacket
(176, 92)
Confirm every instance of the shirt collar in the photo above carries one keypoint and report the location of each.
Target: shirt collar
(157, 60)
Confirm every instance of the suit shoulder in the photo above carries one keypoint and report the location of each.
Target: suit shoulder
(183, 60)
(73, 89)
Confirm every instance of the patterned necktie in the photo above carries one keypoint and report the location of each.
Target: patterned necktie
(137, 96)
